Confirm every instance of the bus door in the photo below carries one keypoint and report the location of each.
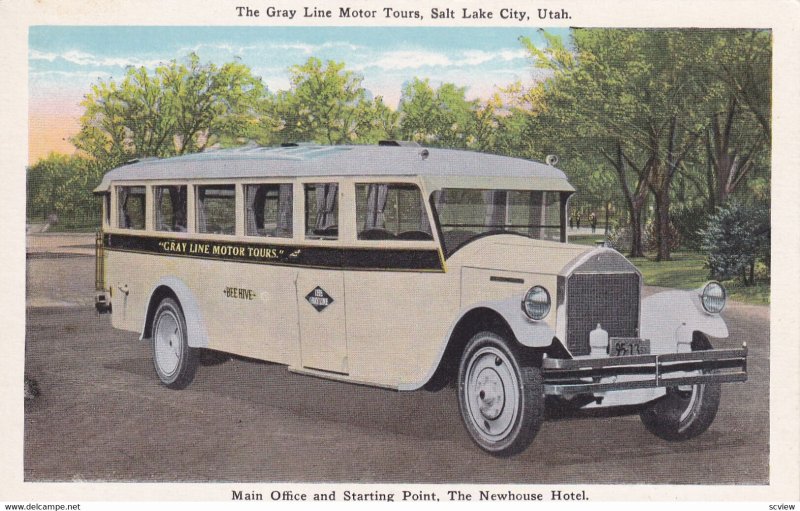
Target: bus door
(321, 307)
(320, 292)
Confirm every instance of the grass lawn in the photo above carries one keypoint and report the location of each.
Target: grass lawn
(687, 271)
(589, 239)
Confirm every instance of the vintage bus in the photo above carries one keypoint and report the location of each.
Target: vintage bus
(405, 268)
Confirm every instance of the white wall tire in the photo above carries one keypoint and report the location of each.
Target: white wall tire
(501, 400)
(174, 360)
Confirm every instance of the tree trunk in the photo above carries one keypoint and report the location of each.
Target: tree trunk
(711, 203)
(634, 200)
(663, 232)
(729, 166)
(637, 250)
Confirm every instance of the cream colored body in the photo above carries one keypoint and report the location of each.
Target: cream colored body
(400, 308)
(385, 328)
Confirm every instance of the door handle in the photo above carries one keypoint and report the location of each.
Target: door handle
(124, 289)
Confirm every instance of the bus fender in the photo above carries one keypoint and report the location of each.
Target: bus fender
(196, 329)
(532, 334)
(670, 318)
(529, 333)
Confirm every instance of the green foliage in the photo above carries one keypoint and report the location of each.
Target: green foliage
(327, 104)
(178, 109)
(690, 221)
(736, 238)
(619, 237)
(688, 270)
(653, 106)
(60, 187)
(442, 117)
(677, 119)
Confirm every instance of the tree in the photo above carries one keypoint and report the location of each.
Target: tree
(62, 185)
(442, 116)
(177, 109)
(645, 100)
(327, 103)
(738, 134)
(583, 107)
(736, 238)
(743, 62)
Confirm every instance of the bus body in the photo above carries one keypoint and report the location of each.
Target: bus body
(405, 268)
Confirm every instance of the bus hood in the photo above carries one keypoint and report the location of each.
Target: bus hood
(520, 254)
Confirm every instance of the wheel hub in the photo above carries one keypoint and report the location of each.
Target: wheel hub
(491, 393)
(167, 342)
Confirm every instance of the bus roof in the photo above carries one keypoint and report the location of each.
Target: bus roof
(438, 167)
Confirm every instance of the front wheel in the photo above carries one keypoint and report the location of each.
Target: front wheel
(501, 400)
(175, 361)
(686, 411)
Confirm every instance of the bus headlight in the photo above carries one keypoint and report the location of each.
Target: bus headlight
(713, 297)
(536, 304)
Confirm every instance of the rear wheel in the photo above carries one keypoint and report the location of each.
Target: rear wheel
(174, 360)
(501, 400)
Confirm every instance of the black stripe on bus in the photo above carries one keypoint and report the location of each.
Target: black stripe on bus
(390, 259)
(510, 280)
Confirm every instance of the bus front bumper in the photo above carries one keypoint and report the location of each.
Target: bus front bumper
(589, 375)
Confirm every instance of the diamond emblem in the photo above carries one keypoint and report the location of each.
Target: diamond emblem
(319, 299)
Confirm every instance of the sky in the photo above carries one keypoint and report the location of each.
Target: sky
(64, 61)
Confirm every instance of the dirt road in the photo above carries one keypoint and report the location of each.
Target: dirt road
(102, 415)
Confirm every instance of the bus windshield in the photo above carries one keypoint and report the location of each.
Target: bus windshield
(465, 214)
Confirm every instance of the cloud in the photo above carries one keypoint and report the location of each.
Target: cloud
(410, 59)
(309, 49)
(416, 59)
(302, 47)
(478, 57)
(40, 55)
(82, 58)
(58, 76)
(224, 47)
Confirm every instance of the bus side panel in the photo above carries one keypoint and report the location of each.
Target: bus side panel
(250, 309)
(247, 309)
(131, 278)
(397, 323)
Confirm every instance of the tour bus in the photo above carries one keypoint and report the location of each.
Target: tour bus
(406, 268)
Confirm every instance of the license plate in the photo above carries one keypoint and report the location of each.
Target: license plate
(623, 347)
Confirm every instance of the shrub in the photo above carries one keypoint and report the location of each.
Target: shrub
(690, 221)
(619, 238)
(60, 187)
(650, 239)
(737, 236)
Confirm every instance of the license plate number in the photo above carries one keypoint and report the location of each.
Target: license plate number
(621, 347)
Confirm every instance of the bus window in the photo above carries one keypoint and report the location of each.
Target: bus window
(130, 201)
(170, 208)
(322, 211)
(387, 211)
(216, 209)
(269, 210)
